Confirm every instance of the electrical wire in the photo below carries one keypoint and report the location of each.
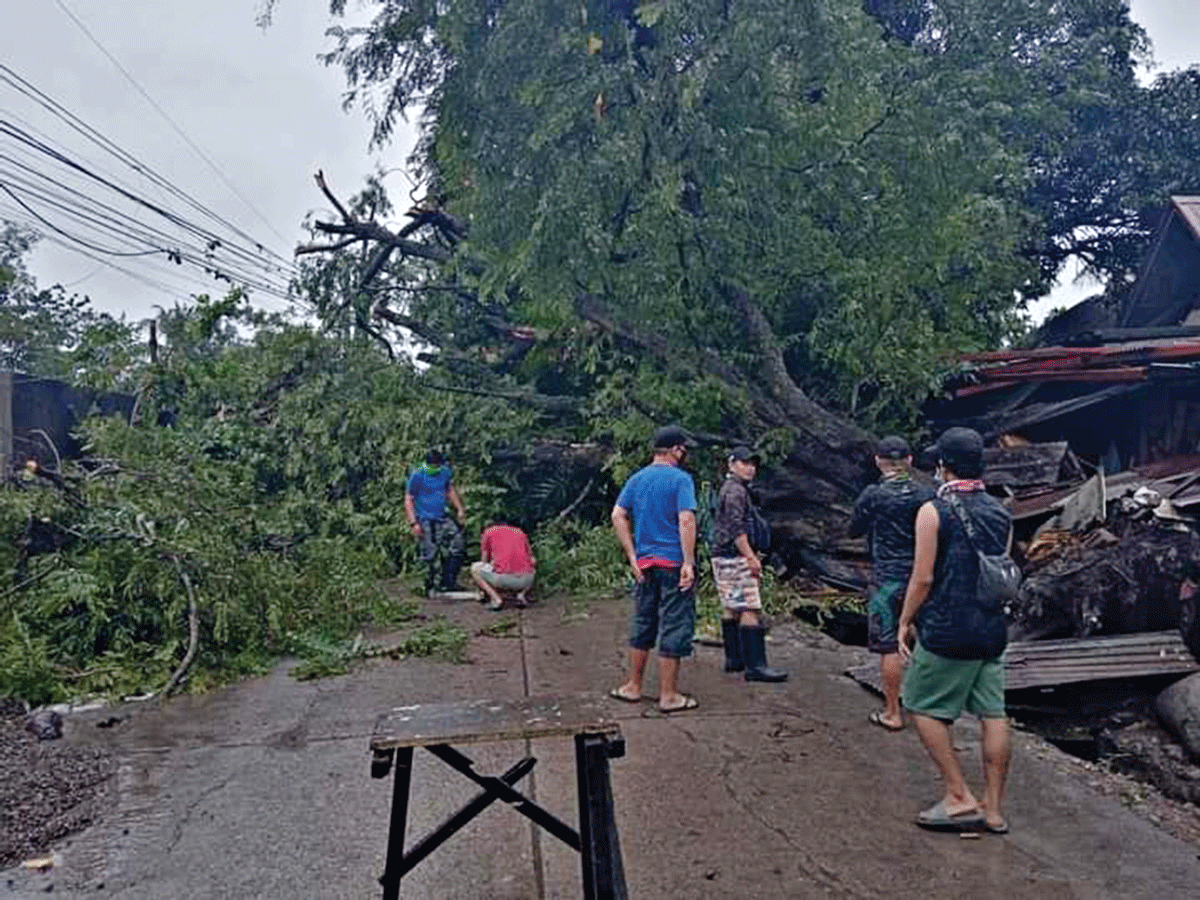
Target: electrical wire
(179, 131)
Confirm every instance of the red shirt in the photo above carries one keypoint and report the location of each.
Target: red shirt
(508, 550)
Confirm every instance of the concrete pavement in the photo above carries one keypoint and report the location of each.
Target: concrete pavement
(262, 790)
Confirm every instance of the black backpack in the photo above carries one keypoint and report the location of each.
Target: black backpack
(999, 578)
(758, 531)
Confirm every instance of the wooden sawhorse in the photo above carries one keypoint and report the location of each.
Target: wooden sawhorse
(436, 726)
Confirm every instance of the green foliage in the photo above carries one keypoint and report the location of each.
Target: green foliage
(277, 491)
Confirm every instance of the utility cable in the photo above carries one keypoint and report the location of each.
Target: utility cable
(179, 131)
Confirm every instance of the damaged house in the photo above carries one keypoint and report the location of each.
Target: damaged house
(1095, 440)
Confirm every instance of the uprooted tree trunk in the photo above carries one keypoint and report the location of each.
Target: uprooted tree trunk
(807, 497)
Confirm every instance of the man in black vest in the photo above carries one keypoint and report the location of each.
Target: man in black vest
(957, 662)
(887, 513)
(737, 571)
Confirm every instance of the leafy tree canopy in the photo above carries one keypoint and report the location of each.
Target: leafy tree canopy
(888, 180)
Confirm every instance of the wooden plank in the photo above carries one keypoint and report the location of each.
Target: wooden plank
(482, 721)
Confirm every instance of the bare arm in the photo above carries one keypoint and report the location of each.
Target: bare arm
(620, 520)
(456, 501)
(687, 539)
(921, 579)
(410, 513)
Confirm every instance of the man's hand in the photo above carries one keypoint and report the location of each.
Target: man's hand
(755, 565)
(462, 518)
(687, 576)
(416, 529)
(638, 575)
(904, 636)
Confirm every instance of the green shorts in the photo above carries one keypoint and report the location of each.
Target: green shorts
(942, 688)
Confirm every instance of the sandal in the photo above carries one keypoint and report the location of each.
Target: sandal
(876, 718)
(689, 703)
(616, 694)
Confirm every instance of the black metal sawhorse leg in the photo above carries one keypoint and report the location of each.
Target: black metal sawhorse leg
(399, 817)
(603, 871)
(596, 841)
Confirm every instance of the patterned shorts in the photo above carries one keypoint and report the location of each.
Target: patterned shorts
(736, 587)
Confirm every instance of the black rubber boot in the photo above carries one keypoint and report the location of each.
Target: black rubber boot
(450, 568)
(754, 653)
(431, 578)
(733, 646)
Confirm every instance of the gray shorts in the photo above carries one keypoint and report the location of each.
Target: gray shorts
(504, 581)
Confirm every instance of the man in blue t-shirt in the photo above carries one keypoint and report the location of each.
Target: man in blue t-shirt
(425, 496)
(661, 501)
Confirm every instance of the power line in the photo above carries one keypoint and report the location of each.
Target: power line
(179, 131)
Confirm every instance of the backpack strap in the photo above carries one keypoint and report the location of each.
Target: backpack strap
(964, 517)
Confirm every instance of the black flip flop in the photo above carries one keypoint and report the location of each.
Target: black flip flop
(617, 695)
(689, 703)
(876, 718)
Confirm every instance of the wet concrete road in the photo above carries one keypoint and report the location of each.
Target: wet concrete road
(263, 790)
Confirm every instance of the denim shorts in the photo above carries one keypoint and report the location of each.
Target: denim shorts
(663, 614)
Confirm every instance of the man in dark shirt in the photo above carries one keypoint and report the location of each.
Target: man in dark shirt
(957, 662)
(886, 512)
(737, 570)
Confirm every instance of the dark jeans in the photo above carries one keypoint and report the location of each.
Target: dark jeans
(663, 614)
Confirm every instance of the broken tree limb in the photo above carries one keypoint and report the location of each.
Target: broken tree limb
(193, 632)
(320, 179)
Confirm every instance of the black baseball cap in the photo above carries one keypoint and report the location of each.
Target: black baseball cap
(744, 454)
(893, 447)
(961, 449)
(672, 436)
(435, 457)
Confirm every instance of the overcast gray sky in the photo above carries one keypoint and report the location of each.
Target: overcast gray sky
(256, 103)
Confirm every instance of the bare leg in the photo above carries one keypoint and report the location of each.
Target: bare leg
(891, 671)
(632, 688)
(496, 600)
(997, 752)
(935, 735)
(668, 683)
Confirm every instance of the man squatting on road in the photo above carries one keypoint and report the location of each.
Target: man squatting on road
(425, 496)
(957, 662)
(661, 500)
(506, 563)
(886, 512)
(737, 571)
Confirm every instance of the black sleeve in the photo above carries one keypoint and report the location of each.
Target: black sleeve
(864, 510)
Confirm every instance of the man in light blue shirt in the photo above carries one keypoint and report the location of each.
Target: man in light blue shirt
(660, 499)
